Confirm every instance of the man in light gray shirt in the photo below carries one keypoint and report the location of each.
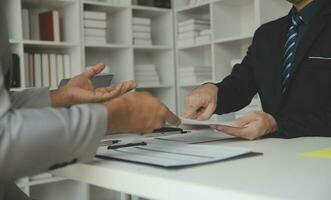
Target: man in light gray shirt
(41, 130)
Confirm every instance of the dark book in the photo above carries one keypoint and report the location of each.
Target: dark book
(15, 81)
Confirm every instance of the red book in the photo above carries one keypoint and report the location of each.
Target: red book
(49, 26)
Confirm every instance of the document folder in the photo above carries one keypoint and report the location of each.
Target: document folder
(171, 155)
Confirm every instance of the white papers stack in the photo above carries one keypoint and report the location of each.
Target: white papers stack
(95, 26)
(142, 31)
(193, 31)
(255, 105)
(194, 74)
(147, 75)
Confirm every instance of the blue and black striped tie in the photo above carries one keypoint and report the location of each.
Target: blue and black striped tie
(290, 48)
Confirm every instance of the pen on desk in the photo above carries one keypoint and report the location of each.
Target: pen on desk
(127, 145)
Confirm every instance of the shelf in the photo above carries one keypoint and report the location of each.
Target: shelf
(153, 47)
(17, 89)
(194, 46)
(105, 5)
(110, 46)
(52, 4)
(141, 86)
(50, 44)
(13, 41)
(233, 39)
(46, 180)
(152, 9)
(188, 8)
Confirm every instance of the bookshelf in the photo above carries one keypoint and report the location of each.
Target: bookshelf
(239, 17)
(232, 24)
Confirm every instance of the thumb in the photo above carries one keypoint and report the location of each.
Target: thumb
(95, 70)
(243, 121)
(207, 113)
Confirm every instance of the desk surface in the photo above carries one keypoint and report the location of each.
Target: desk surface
(279, 174)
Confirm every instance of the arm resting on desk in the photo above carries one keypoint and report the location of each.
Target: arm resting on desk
(36, 140)
(304, 124)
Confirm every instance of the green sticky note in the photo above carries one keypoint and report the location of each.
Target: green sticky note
(323, 153)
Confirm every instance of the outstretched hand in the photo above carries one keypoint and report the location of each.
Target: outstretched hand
(80, 89)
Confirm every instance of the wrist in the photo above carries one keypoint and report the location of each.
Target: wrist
(273, 124)
(59, 98)
(55, 97)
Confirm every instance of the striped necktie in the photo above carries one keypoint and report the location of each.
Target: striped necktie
(290, 48)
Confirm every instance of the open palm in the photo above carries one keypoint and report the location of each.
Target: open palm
(80, 89)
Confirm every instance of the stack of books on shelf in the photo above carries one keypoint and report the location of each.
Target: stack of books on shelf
(95, 27)
(147, 75)
(188, 3)
(142, 31)
(193, 31)
(39, 25)
(46, 70)
(194, 74)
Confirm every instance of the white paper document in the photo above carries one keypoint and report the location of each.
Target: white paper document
(170, 155)
(192, 122)
(195, 137)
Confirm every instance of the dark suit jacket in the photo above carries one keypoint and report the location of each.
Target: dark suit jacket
(305, 110)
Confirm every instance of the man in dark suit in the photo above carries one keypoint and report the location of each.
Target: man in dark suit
(289, 66)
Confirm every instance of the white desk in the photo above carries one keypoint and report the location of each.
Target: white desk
(279, 174)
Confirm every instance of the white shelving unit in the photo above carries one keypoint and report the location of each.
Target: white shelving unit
(121, 55)
(233, 23)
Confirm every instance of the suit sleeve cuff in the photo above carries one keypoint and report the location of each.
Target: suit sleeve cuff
(280, 127)
(100, 129)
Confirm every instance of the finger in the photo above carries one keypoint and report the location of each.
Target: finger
(128, 86)
(95, 70)
(238, 132)
(172, 119)
(114, 87)
(103, 94)
(207, 113)
(193, 112)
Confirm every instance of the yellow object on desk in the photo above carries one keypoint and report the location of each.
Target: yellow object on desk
(323, 153)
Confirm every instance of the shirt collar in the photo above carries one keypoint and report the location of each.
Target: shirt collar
(309, 11)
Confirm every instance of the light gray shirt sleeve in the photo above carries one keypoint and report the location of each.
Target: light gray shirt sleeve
(27, 98)
(34, 140)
